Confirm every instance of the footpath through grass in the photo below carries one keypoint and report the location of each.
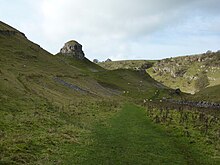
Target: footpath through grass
(130, 138)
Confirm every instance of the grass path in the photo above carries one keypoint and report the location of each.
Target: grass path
(130, 138)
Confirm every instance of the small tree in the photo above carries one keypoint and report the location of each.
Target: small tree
(201, 82)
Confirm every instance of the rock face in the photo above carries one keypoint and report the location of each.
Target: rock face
(108, 60)
(183, 72)
(73, 48)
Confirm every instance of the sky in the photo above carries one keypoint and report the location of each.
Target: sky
(119, 29)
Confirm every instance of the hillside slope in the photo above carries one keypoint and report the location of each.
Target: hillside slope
(48, 102)
(210, 94)
(185, 72)
(127, 64)
(26, 67)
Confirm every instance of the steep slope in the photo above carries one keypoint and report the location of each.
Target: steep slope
(49, 102)
(7, 30)
(26, 67)
(125, 82)
(185, 72)
(180, 72)
(46, 101)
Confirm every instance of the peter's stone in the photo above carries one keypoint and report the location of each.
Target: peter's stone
(73, 48)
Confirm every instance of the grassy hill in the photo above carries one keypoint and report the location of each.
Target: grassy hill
(49, 101)
(126, 64)
(185, 72)
(51, 104)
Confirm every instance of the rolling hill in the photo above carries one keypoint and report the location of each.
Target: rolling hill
(127, 64)
(59, 109)
(26, 66)
(179, 72)
(183, 72)
(49, 101)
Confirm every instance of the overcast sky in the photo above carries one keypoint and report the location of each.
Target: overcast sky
(119, 29)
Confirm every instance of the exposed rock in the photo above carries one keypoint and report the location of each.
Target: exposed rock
(202, 104)
(180, 71)
(108, 60)
(96, 61)
(209, 52)
(146, 66)
(173, 74)
(73, 48)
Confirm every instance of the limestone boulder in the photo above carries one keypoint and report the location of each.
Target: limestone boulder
(73, 48)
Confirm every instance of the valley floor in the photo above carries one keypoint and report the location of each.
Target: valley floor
(129, 137)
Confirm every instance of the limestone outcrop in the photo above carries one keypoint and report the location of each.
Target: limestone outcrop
(73, 48)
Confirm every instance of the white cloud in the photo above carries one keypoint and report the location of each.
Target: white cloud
(123, 29)
(103, 23)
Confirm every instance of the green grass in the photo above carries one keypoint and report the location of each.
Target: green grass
(199, 126)
(4, 26)
(190, 67)
(45, 122)
(211, 94)
(35, 131)
(129, 137)
(125, 64)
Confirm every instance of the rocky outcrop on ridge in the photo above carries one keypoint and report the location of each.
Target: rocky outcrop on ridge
(73, 48)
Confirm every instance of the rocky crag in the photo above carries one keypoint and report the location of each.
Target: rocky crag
(73, 48)
(183, 72)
